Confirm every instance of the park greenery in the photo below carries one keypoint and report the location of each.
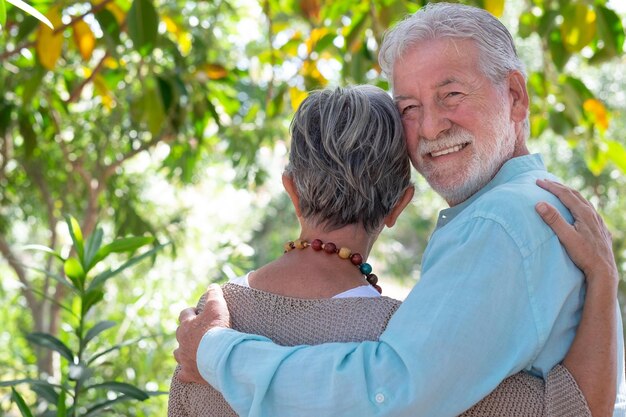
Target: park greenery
(161, 127)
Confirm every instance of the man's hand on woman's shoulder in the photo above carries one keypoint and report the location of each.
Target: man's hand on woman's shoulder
(193, 326)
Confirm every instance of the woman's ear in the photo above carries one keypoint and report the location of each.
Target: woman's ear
(404, 201)
(290, 187)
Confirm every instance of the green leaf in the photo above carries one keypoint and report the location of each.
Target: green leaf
(547, 23)
(93, 246)
(28, 25)
(574, 94)
(3, 13)
(154, 112)
(50, 342)
(74, 271)
(97, 329)
(31, 11)
(128, 244)
(116, 347)
(91, 298)
(559, 54)
(77, 236)
(25, 381)
(61, 407)
(5, 118)
(31, 85)
(21, 404)
(105, 404)
(559, 123)
(52, 300)
(101, 278)
(122, 388)
(617, 154)
(56, 277)
(527, 25)
(579, 26)
(42, 248)
(46, 391)
(110, 28)
(28, 134)
(611, 33)
(143, 23)
(595, 159)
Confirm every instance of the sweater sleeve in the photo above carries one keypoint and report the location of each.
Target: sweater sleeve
(563, 397)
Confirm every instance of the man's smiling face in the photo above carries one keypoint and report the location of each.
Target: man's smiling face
(457, 122)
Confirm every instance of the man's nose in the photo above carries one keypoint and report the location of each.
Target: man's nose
(433, 123)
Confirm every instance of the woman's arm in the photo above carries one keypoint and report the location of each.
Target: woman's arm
(592, 358)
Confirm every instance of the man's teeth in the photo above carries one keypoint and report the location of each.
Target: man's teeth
(447, 151)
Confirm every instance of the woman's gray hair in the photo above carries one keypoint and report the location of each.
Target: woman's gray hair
(348, 158)
(456, 21)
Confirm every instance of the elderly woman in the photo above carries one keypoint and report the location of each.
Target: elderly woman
(348, 177)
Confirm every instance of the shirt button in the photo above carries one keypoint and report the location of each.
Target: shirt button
(380, 398)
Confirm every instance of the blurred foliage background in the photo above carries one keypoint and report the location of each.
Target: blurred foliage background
(170, 120)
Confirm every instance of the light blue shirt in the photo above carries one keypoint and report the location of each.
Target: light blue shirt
(497, 294)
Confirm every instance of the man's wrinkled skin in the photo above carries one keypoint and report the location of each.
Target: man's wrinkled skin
(193, 326)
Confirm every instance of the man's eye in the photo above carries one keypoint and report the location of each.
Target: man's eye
(408, 108)
(453, 94)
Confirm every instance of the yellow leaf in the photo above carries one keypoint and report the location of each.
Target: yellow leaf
(184, 41)
(296, 96)
(495, 7)
(84, 39)
(102, 90)
(170, 25)
(182, 36)
(214, 71)
(310, 70)
(578, 27)
(48, 44)
(120, 15)
(316, 35)
(111, 63)
(597, 113)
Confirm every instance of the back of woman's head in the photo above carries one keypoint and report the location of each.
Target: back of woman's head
(348, 157)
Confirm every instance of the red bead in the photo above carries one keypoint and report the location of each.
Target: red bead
(380, 290)
(356, 259)
(330, 248)
(372, 279)
(317, 245)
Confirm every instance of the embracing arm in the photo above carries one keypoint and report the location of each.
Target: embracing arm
(465, 327)
(592, 358)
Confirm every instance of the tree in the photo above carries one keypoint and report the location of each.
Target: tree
(116, 79)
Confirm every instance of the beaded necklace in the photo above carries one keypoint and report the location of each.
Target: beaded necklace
(343, 252)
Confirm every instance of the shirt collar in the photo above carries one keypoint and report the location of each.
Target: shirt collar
(511, 168)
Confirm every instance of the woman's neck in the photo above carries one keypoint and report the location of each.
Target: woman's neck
(353, 237)
(306, 273)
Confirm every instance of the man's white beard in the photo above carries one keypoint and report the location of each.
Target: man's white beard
(483, 164)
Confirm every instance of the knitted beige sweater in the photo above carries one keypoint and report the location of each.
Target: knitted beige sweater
(290, 321)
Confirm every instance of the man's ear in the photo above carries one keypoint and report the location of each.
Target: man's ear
(519, 96)
(290, 187)
(404, 201)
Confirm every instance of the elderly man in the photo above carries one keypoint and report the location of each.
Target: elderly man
(497, 294)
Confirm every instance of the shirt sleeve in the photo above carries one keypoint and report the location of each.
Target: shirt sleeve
(471, 321)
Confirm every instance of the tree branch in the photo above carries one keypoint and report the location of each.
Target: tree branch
(110, 169)
(95, 9)
(8, 254)
(34, 170)
(79, 88)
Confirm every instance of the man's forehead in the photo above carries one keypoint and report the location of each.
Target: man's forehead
(444, 81)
